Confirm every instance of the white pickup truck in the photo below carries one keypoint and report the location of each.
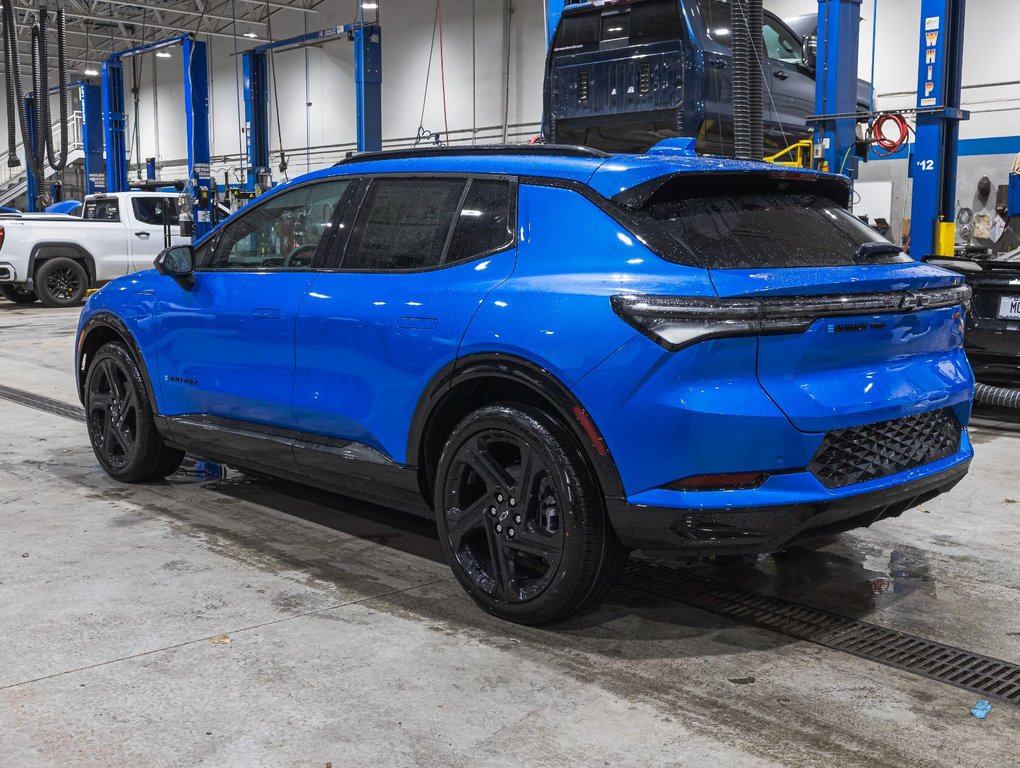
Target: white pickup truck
(56, 258)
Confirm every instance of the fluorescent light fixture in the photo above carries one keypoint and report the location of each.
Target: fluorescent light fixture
(250, 34)
(90, 72)
(370, 6)
(162, 55)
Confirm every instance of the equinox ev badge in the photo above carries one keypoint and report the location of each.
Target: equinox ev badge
(854, 327)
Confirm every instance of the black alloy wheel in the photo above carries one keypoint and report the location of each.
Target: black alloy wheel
(17, 294)
(520, 518)
(112, 413)
(61, 282)
(120, 421)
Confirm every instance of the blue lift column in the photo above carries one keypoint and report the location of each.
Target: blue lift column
(196, 117)
(933, 163)
(836, 85)
(32, 183)
(367, 41)
(114, 125)
(256, 117)
(368, 86)
(91, 99)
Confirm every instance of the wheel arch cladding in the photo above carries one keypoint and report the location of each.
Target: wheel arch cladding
(480, 380)
(43, 252)
(101, 329)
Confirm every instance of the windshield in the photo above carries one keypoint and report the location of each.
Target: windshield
(746, 231)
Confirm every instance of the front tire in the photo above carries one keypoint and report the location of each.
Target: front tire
(17, 294)
(61, 282)
(120, 420)
(520, 517)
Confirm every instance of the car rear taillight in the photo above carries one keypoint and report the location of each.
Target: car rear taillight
(730, 481)
(675, 322)
(1, 237)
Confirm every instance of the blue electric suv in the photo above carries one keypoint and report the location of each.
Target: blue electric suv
(561, 355)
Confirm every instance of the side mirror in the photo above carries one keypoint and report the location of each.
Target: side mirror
(177, 262)
(810, 56)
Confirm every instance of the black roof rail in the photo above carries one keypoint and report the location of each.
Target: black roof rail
(478, 150)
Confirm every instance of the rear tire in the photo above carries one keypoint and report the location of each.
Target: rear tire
(61, 282)
(521, 519)
(120, 420)
(17, 294)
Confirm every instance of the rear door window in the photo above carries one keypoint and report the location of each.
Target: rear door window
(746, 231)
(483, 222)
(149, 210)
(403, 224)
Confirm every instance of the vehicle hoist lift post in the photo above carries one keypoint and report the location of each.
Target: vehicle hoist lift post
(196, 117)
(367, 39)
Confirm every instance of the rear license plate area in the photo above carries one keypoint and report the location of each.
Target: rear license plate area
(1009, 308)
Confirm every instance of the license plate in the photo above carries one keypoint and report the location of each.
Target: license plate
(1009, 308)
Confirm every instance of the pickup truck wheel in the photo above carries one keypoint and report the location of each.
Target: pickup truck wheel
(520, 517)
(17, 294)
(61, 282)
(120, 422)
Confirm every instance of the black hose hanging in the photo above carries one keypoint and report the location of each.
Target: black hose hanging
(756, 76)
(38, 147)
(61, 163)
(741, 80)
(13, 63)
(12, 108)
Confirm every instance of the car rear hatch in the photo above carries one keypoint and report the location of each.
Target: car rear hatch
(851, 330)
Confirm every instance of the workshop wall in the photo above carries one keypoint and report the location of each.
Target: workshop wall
(315, 86)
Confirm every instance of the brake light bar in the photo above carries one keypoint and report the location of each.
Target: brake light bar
(675, 322)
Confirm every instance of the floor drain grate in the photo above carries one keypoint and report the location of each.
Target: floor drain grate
(992, 678)
(42, 403)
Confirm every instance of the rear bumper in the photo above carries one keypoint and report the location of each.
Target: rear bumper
(750, 529)
(994, 355)
(7, 273)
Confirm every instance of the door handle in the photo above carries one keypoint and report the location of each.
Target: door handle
(143, 235)
(717, 63)
(781, 74)
(266, 313)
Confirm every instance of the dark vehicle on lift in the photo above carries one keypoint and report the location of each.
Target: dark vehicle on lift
(992, 339)
(621, 76)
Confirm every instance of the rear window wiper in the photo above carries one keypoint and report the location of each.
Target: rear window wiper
(867, 250)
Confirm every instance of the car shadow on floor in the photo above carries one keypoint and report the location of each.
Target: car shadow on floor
(843, 577)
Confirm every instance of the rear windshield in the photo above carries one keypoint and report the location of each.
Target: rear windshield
(746, 231)
(652, 21)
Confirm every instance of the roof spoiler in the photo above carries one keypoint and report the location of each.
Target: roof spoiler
(721, 183)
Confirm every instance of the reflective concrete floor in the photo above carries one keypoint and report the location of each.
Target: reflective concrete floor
(224, 621)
